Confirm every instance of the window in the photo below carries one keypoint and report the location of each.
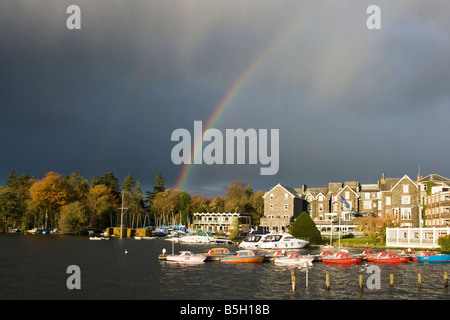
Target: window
(405, 188)
(320, 198)
(286, 207)
(320, 207)
(285, 195)
(271, 206)
(347, 195)
(388, 201)
(406, 200)
(406, 213)
(271, 196)
(367, 204)
(366, 195)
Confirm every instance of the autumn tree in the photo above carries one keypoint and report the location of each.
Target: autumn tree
(166, 204)
(100, 202)
(49, 195)
(235, 197)
(374, 227)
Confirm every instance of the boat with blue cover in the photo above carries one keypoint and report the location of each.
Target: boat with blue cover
(430, 256)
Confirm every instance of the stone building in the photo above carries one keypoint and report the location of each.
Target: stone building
(401, 199)
(282, 205)
(435, 200)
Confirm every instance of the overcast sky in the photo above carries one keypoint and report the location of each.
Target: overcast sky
(350, 103)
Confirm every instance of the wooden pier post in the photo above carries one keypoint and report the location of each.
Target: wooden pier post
(327, 281)
(419, 280)
(360, 281)
(391, 279)
(293, 280)
(445, 279)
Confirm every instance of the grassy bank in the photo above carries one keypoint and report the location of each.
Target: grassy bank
(356, 242)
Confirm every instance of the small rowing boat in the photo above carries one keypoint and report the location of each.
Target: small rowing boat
(341, 258)
(243, 256)
(391, 257)
(430, 256)
(186, 256)
(294, 258)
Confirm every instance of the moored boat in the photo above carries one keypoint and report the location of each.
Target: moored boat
(367, 254)
(201, 237)
(391, 257)
(341, 258)
(186, 256)
(243, 256)
(409, 253)
(294, 258)
(430, 256)
(217, 253)
(253, 240)
(378, 255)
(282, 241)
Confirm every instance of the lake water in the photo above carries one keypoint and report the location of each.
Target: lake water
(35, 267)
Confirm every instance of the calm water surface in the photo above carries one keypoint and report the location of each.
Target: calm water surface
(34, 267)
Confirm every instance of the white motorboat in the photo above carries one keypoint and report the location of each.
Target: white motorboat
(282, 241)
(201, 237)
(252, 241)
(187, 256)
(294, 258)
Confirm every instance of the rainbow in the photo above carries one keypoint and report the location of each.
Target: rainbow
(238, 85)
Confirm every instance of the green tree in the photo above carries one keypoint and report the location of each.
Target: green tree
(109, 180)
(235, 197)
(184, 206)
(77, 187)
(305, 228)
(73, 218)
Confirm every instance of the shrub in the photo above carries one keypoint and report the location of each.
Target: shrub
(304, 227)
(444, 242)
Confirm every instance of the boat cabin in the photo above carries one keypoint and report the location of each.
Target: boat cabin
(219, 251)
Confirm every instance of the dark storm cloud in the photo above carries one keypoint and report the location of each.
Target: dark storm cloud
(350, 103)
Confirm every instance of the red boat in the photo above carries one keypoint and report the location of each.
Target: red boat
(341, 258)
(391, 257)
(369, 253)
(409, 253)
(379, 255)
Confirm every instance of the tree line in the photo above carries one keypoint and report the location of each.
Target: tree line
(72, 204)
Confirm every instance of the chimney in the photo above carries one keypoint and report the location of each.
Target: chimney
(303, 188)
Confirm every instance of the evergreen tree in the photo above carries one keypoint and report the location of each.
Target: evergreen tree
(305, 228)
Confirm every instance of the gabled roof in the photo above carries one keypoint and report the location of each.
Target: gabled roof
(405, 176)
(289, 190)
(433, 177)
(347, 187)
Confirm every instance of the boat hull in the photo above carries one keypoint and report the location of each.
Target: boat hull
(436, 258)
(341, 261)
(294, 261)
(391, 260)
(254, 259)
(196, 259)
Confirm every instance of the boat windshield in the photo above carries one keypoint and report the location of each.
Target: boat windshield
(253, 238)
(272, 238)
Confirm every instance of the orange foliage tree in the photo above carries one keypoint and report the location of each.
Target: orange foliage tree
(49, 194)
